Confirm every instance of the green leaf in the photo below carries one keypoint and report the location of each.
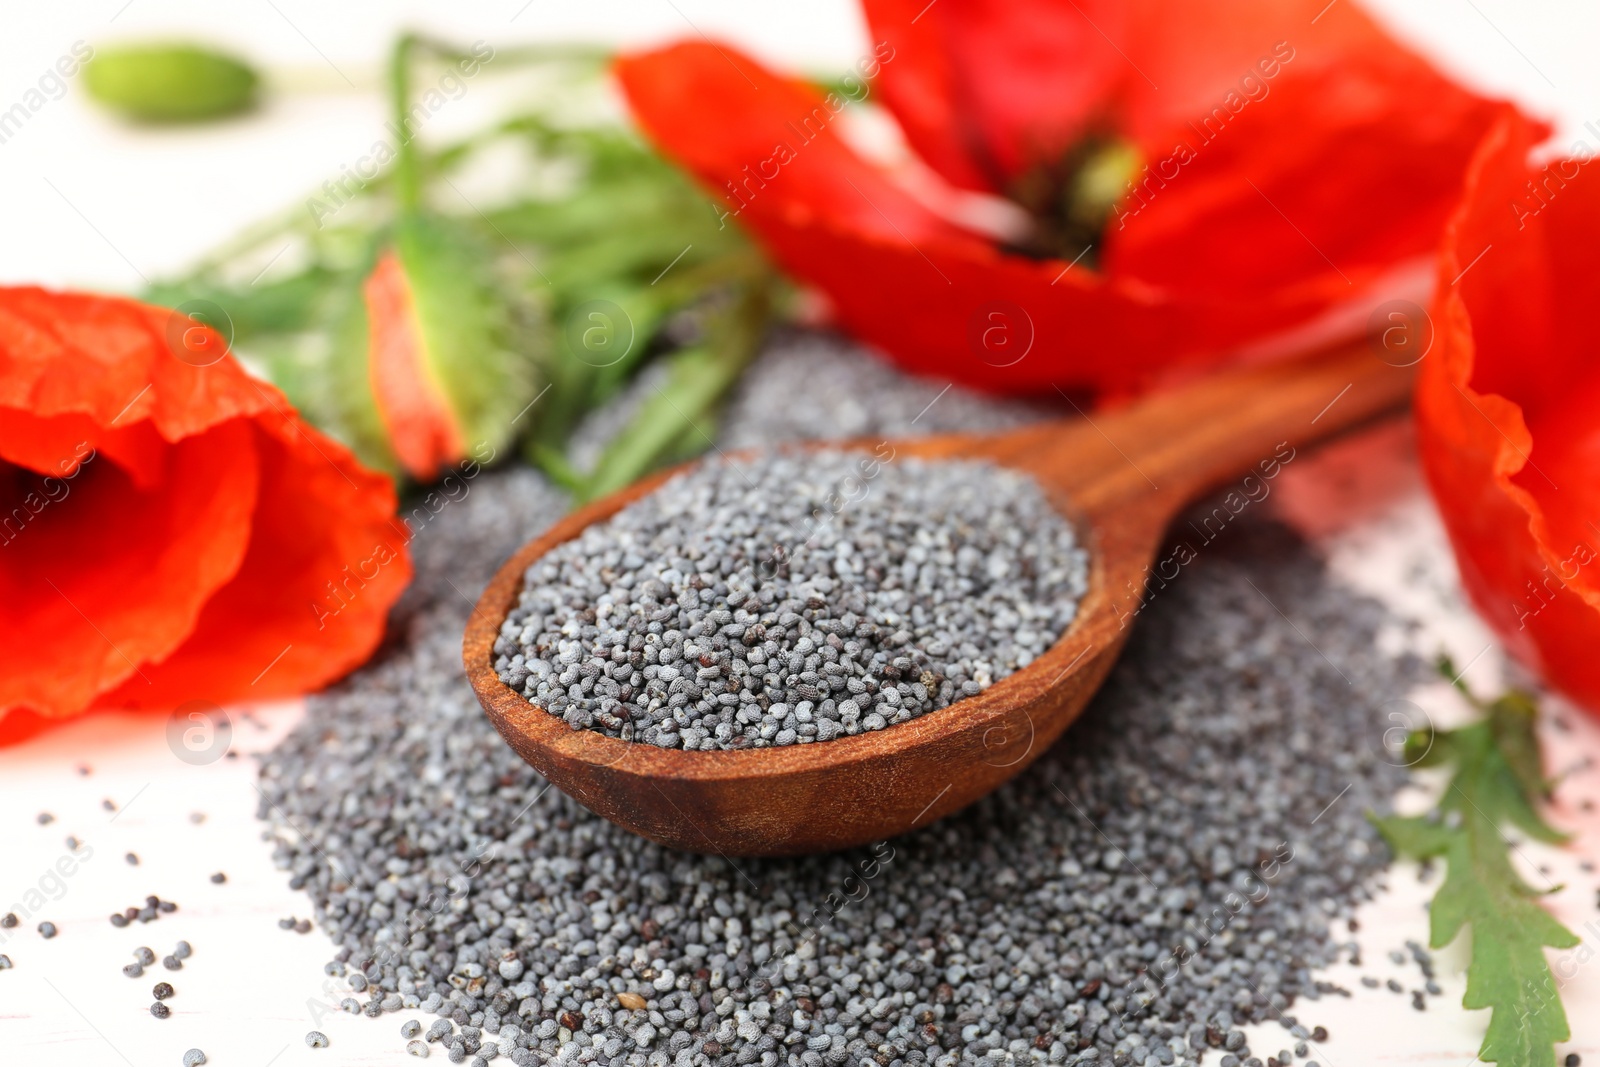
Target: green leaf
(160, 83)
(1498, 780)
(286, 305)
(672, 423)
(1512, 718)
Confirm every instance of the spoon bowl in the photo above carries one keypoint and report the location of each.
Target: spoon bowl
(1119, 477)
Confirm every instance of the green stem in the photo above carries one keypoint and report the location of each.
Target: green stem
(407, 179)
(701, 377)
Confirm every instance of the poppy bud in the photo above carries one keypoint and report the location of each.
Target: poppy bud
(448, 379)
(170, 82)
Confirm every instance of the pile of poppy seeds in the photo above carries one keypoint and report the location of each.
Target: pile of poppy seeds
(794, 597)
(1175, 868)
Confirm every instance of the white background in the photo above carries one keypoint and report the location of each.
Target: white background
(86, 202)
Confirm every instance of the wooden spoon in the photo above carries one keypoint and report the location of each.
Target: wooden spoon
(1120, 476)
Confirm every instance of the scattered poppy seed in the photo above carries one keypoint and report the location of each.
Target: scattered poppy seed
(193, 1058)
(118, 919)
(317, 1039)
(9, 920)
(197, 817)
(5, 962)
(286, 924)
(418, 1049)
(160, 1010)
(218, 878)
(162, 990)
(132, 859)
(108, 805)
(410, 1028)
(1217, 731)
(167, 907)
(45, 818)
(134, 969)
(303, 926)
(72, 842)
(183, 950)
(144, 955)
(172, 963)
(1573, 1059)
(47, 930)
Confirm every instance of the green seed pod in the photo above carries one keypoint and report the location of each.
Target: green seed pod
(170, 82)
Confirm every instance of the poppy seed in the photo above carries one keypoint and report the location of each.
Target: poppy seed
(1219, 736)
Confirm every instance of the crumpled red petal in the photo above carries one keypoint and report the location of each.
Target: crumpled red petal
(1296, 202)
(1322, 154)
(165, 523)
(1506, 405)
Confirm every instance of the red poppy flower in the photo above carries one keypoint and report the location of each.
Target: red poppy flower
(1507, 405)
(169, 529)
(1199, 176)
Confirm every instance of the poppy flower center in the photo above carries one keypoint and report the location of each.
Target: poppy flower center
(1071, 199)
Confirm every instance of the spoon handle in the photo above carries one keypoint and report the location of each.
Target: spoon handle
(1162, 452)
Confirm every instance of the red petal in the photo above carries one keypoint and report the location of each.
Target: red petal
(1314, 156)
(327, 559)
(774, 149)
(115, 361)
(416, 416)
(180, 518)
(984, 89)
(110, 575)
(1506, 406)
